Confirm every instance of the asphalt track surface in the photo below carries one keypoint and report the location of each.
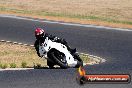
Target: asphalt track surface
(113, 45)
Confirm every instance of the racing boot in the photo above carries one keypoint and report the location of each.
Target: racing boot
(71, 50)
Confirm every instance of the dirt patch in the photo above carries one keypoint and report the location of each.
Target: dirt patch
(12, 53)
(118, 9)
(73, 20)
(98, 12)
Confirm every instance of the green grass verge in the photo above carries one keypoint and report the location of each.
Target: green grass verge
(13, 56)
(18, 56)
(85, 17)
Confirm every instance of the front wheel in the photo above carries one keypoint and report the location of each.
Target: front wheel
(50, 64)
(58, 58)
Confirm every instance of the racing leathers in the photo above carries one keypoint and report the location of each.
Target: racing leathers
(53, 38)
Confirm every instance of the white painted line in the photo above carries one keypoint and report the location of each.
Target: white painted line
(25, 44)
(63, 23)
(8, 41)
(32, 45)
(15, 42)
(19, 43)
(2, 40)
(8, 69)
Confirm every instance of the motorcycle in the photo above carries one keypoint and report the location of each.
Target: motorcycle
(58, 54)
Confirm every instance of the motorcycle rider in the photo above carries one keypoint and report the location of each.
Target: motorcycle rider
(40, 38)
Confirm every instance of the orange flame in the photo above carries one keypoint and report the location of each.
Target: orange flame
(81, 71)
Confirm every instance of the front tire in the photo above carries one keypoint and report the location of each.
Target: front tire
(50, 64)
(57, 56)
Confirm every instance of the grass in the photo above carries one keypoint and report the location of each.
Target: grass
(3, 66)
(12, 65)
(89, 18)
(82, 17)
(24, 64)
(111, 11)
(18, 55)
(12, 56)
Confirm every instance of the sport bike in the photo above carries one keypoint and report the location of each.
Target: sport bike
(58, 54)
